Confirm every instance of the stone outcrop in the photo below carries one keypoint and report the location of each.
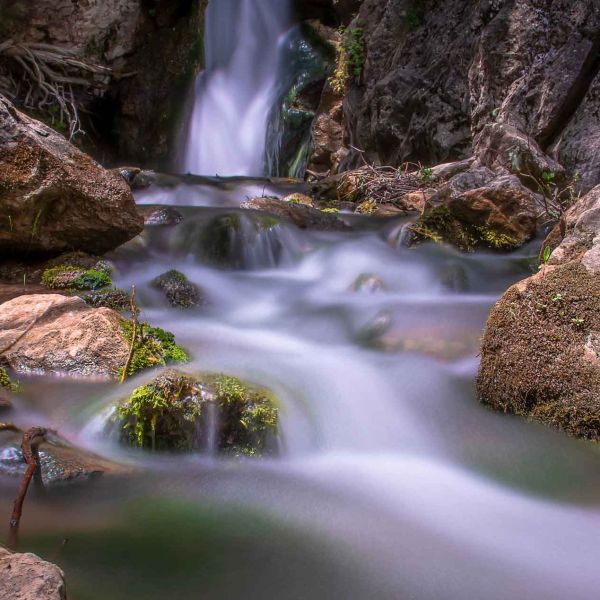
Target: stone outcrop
(59, 334)
(540, 356)
(514, 83)
(28, 577)
(54, 198)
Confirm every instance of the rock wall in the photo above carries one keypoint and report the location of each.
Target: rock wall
(438, 75)
(154, 49)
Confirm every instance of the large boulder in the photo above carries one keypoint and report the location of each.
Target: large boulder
(50, 333)
(54, 198)
(28, 577)
(540, 355)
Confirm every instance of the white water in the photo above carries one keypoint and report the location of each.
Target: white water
(234, 95)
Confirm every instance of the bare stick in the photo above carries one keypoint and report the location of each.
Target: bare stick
(134, 325)
(31, 440)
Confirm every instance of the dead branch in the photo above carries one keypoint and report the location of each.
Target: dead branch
(134, 326)
(31, 440)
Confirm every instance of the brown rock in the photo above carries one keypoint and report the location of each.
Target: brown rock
(28, 577)
(53, 197)
(58, 334)
(302, 216)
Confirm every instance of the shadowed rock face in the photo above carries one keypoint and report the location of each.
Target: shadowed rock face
(28, 577)
(438, 75)
(540, 356)
(54, 198)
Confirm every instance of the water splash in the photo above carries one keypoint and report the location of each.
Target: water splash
(235, 94)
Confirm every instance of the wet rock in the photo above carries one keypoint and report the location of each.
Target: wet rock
(368, 283)
(177, 411)
(500, 216)
(53, 197)
(178, 290)
(299, 199)
(28, 577)
(164, 216)
(540, 355)
(60, 461)
(304, 217)
(59, 334)
(115, 299)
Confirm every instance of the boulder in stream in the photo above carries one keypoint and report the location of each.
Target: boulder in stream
(540, 355)
(178, 289)
(182, 412)
(304, 217)
(53, 197)
(51, 333)
(28, 577)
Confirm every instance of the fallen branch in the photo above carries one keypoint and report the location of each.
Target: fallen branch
(31, 440)
(134, 326)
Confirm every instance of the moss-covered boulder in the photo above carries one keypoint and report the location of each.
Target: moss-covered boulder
(75, 278)
(181, 412)
(178, 289)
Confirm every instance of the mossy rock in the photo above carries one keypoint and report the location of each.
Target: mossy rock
(115, 298)
(178, 290)
(6, 383)
(179, 412)
(80, 260)
(75, 278)
(154, 347)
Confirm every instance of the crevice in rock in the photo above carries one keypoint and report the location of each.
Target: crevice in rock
(575, 97)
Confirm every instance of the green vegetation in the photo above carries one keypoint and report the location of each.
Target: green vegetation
(6, 382)
(350, 60)
(154, 347)
(76, 278)
(175, 411)
(426, 175)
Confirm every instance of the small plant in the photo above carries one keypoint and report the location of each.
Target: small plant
(546, 254)
(350, 60)
(426, 175)
(557, 298)
(578, 322)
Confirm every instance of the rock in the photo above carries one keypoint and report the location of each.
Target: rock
(540, 355)
(75, 278)
(28, 577)
(116, 299)
(177, 411)
(59, 334)
(367, 283)
(304, 217)
(178, 290)
(299, 199)
(53, 197)
(500, 216)
(60, 461)
(164, 216)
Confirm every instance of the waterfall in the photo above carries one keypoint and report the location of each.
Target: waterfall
(236, 92)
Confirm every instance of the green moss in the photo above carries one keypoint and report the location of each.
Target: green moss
(154, 347)
(495, 240)
(173, 412)
(7, 383)
(350, 60)
(76, 278)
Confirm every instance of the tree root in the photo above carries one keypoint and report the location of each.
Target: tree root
(44, 76)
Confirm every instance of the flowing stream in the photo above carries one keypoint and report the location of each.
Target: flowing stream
(393, 482)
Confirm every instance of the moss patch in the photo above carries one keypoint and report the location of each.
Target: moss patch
(177, 411)
(154, 347)
(75, 278)
(540, 352)
(7, 383)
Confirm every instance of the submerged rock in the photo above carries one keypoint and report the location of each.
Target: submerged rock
(176, 411)
(59, 334)
(178, 290)
(540, 355)
(303, 217)
(60, 461)
(28, 577)
(53, 197)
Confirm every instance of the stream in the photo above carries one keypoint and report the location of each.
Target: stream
(392, 482)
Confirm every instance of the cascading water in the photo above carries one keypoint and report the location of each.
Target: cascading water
(236, 92)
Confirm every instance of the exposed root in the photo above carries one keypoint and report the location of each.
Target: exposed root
(45, 77)
(134, 326)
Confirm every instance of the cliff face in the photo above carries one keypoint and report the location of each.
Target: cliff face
(153, 49)
(443, 80)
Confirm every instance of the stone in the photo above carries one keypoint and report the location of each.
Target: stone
(179, 411)
(51, 333)
(303, 217)
(178, 290)
(28, 577)
(160, 216)
(53, 197)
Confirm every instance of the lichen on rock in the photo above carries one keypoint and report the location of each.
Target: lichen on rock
(181, 412)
